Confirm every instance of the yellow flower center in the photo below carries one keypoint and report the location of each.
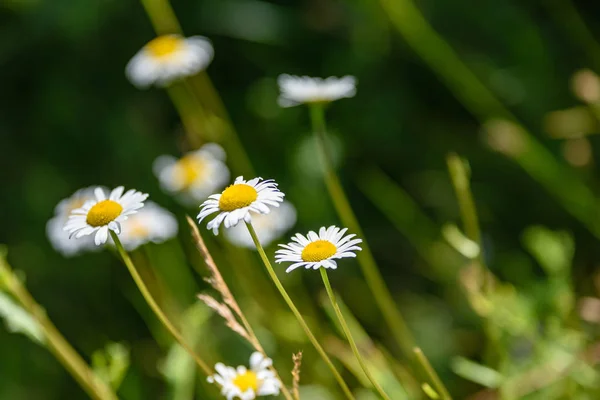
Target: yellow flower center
(189, 168)
(164, 46)
(318, 251)
(247, 380)
(103, 212)
(237, 196)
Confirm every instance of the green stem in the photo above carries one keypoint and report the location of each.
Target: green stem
(154, 306)
(56, 342)
(348, 334)
(468, 211)
(299, 317)
(431, 374)
(375, 282)
(162, 17)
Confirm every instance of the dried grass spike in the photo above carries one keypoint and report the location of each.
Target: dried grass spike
(297, 358)
(227, 315)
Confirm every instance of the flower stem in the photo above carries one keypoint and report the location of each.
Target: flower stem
(433, 376)
(468, 211)
(54, 340)
(299, 317)
(154, 306)
(348, 334)
(380, 292)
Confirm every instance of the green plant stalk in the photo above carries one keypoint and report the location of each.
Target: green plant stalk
(468, 210)
(348, 334)
(154, 306)
(536, 160)
(55, 341)
(297, 314)
(431, 374)
(375, 282)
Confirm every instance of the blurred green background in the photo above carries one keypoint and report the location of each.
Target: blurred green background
(70, 119)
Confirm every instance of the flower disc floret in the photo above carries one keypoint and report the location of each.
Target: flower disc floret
(237, 196)
(164, 46)
(247, 380)
(239, 200)
(103, 212)
(168, 58)
(196, 175)
(247, 384)
(318, 250)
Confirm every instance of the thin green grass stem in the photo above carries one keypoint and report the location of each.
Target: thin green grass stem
(154, 305)
(55, 341)
(468, 211)
(431, 374)
(375, 282)
(297, 314)
(348, 334)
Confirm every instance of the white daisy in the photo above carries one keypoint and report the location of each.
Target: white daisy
(268, 227)
(101, 213)
(304, 89)
(247, 384)
(195, 175)
(167, 58)
(315, 251)
(238, 200)
(59, 239)
(151, 224)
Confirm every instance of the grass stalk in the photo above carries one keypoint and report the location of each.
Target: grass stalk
(348, 334)
(431, 374)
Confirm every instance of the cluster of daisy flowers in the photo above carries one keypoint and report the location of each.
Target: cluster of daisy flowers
(84, 221)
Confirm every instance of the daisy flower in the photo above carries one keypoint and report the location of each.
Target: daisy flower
(304, 89)
(268, 227)
(318, 250)
(59, 239)
(195, 175)
(167, 58)
(151, 224)
(238, 200)
(101, 213)
(247, 384)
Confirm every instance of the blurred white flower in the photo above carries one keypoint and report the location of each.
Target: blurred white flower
(59, 239)
(167, 58)
(247, 384)
(318, 250)
(304, 89)
(238, 200)
(268, 227)
(102, 214)
(195, 175)
(151, 224)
